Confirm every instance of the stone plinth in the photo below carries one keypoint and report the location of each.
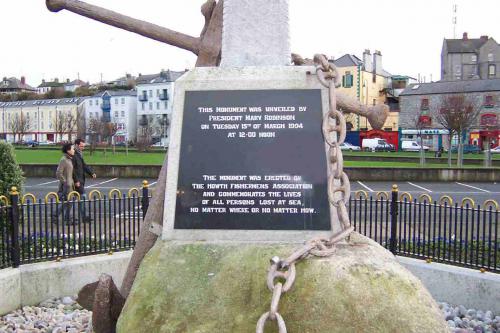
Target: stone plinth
(255, 33)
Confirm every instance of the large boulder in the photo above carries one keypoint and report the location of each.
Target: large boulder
(207, 288)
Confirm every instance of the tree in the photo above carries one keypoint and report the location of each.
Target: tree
(10, 172)
(19, 125)
(458, 114)
(421, 121)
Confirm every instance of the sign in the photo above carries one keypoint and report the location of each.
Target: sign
(254, 160)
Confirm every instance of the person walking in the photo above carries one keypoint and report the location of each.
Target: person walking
(64, 174)
(80, 168)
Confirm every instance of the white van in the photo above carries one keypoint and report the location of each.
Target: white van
(376, 144)
(411, 146)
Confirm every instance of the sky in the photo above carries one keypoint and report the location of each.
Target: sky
(39, 44)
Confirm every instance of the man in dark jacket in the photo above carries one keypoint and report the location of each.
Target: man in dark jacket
(79, 171)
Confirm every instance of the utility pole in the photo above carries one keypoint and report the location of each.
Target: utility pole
(454, 21)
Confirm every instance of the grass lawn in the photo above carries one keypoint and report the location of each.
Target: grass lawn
(120, 158)
(25, 156)
(415, 154)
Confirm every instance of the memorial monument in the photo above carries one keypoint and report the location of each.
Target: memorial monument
(255, 173)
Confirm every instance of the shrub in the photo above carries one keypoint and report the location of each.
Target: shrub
(10, 172)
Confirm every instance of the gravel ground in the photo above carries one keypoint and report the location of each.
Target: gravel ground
(57, 315)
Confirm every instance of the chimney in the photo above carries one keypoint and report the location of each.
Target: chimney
(128, 76)
(377, 62)
(67, 80)
(23, 80)
(56, 80)
(484, 38)
(367, 60)
(43, 80)
(465, 36)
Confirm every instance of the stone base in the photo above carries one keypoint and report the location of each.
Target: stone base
(220, 287)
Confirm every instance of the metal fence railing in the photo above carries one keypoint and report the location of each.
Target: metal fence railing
(34, 230)
(463, 234)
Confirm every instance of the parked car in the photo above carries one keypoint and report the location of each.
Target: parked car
(350, 147)
(377, 144)
(412, 146)
(472, 149)
(46, 143)
(31, 143)
(495, 150)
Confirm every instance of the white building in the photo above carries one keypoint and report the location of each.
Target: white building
(40, 120)
(154, 103)
(117, 107)
(73, 85)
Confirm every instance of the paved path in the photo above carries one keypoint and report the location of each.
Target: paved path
(479, 192)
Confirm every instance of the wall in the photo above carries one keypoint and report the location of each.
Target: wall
(34, 283)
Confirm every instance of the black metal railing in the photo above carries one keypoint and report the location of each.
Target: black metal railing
(463, 234)
(34, 230)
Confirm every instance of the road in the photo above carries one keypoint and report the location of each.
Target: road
(479, 192)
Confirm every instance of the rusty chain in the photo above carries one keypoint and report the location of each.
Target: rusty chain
(281, 274)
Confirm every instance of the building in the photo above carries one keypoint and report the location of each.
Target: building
(47, 86)
(420, 103)
(118, 107)
(73, 85)
(154, 103)
(41, 120)
(14, 86)
(367, 81)
(470, 59)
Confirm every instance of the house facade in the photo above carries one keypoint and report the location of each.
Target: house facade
(40, 120)
(117, 107)
(47, 86)
(422, 103)
(470, 59)
(154, 104)
(15, 86)
(73, 85)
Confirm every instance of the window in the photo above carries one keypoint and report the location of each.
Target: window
(473, 58)
(97, 102)
(150, 105)
(490, 57)
(90, 102)
(425, 121)
(424, 104)
(123, 113)
(157, 105)
(143, 106)
(492, 70)
(123, 100)
(488, 120)
(488, 101)
(116, 100)
(151, 93)
(165, 104)
(116, 114)
(374, 101)
(157, 92)
(347, 80)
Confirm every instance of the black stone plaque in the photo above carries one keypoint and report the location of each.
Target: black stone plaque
(252, 159)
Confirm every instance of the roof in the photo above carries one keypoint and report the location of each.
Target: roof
(348, 60)
(52, 84)
(162, 77)
(464, 45)
(114, 93)
(76, 83)
(39, 102)
(13, 84)
(450, 87)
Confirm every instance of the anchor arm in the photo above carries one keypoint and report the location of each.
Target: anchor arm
(128, 23)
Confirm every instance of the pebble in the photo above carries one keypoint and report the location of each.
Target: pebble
(55, 315)
(463, 320)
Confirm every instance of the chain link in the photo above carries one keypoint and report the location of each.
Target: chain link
(281, 274)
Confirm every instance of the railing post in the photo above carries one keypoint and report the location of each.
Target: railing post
(394, 219)
(145, 197)
(14, 218)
